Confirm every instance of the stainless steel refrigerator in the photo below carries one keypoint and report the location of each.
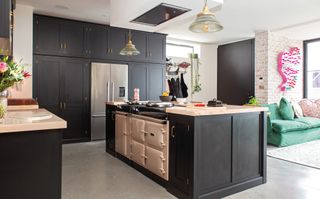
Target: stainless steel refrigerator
(109, 82)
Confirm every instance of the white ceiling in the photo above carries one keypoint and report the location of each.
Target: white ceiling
(298, 19)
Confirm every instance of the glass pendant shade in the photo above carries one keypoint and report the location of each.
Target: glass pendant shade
(130, 49)
(205, 22)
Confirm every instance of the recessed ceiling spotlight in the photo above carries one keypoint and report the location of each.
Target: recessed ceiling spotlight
(62, 7)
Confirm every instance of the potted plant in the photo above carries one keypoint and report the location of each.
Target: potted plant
(11, 73)
(253, 101)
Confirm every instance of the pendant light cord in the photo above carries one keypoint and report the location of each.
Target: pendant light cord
(205, 4)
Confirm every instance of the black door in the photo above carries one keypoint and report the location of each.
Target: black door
(5, 8)
(110, 128)
(72, 35)
(236, 72)
(156, 81)
(156, 48)
(97, 41)
(117, 41)
(138, 73)
(46, 83)
(139, 39)
(75, 98)
(181, 155)
(47, 39)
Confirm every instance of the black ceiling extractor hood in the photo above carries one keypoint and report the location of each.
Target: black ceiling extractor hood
(160, 14)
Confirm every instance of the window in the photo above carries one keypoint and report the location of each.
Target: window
(316, 80)
(177, 50)
(312, 69)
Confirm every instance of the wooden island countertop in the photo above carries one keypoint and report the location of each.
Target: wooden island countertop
(206, 111)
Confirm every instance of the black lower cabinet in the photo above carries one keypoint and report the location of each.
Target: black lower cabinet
(31, 165)
(180, 156)
(61, 85)
(110, 129)
(216, 156)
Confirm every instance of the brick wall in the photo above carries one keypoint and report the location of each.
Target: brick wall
(268, 46)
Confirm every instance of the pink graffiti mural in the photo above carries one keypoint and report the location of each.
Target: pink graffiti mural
(289, 64)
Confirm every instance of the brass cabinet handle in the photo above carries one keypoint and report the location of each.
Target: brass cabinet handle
(64, 105)
(65, 45)
(61, 106)
(172, 131)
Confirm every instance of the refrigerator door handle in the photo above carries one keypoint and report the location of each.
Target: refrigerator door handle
(108, 92)
(113, 91)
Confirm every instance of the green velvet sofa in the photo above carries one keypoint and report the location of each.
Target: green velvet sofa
(290, 132)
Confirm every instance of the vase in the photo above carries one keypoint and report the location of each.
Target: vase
(3, 104)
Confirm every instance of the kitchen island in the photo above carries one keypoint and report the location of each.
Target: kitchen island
(30, 154)
(215, 152)
(202, 152)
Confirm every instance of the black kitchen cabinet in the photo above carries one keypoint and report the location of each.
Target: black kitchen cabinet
(46, 84)
(236, 72)
(138, 74)
(117, 41)
(180, 156)
(156, 48)
(139, 39)
(97, 40)
(61, 85)
(149, 78)
(110, 129)
(216, 156)
(53, 36)
(156, 81)
(47, 40)
(72, 37)
(75, 97)
(63, 37)
(5, 9)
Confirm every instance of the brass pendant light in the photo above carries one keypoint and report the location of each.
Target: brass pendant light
(129, 49)
(205, 22)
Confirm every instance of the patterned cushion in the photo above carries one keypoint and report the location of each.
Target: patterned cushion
(311, 108)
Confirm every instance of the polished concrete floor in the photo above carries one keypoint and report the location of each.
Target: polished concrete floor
(90, 173)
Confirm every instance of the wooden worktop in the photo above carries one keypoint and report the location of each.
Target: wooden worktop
(205, 111)
(31, 120)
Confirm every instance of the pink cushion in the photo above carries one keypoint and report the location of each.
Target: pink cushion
(310, 108)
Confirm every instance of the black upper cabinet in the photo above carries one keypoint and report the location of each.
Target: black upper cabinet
(47, 38)
(156, 45)
(62, 37)
(156, 81)
(138, 73)
(139, 39)
(5, 9)
(117, 41)
(72, 37)
(58, 37)
(97, 40)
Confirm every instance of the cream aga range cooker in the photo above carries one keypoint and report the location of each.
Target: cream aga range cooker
(141, 135)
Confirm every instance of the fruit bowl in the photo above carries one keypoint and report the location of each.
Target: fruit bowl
(165, 98)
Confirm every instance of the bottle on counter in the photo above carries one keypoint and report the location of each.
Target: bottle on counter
(136, 94)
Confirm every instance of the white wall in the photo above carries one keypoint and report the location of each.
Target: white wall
(22, 48)
(208, 71)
